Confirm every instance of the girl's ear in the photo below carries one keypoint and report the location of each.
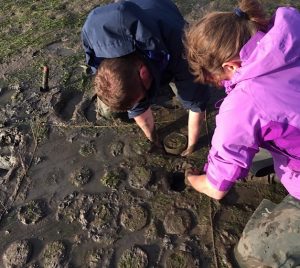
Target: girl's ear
(230, 67)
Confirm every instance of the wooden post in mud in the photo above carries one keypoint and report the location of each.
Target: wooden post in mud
(45, 85)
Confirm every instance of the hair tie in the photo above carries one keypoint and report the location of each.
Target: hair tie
(241, 13)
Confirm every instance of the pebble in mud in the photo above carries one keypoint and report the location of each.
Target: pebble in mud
(177, 222)
(113, 178)
(116, 148)
(181, 259)
(134, 257)
(32, 212)
(134, 218)
(139, 177)
(17, 254)
(54, 255)
(81, 176)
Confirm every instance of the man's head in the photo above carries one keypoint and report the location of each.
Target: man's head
(122, 82)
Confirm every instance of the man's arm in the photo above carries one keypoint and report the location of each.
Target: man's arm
(202, 185)
(195, 123)
(146, 122)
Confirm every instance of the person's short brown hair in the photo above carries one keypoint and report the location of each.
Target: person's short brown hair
(117, 82)
(218, 37)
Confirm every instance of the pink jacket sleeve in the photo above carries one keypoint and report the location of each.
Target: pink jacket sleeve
(234, 142)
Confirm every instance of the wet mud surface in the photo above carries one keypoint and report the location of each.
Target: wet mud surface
(77, 190)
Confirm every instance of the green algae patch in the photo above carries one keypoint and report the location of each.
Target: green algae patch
(181, 259)
(32, 212)
(113, 178)
(54, 254)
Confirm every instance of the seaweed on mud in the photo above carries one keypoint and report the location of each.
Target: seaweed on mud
(133, 258)
(140, 177)
(87, 149)
(113, 178)
(54, 254)
(32, 212)
(181, 259)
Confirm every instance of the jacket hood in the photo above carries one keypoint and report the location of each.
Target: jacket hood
(267, 52)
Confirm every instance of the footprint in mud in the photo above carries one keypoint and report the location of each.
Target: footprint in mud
(134, 257)
(17, 255)
(65, 106)
(178, 222)
(134, 218)
(139, 177)
(59, 49)
(75, 106)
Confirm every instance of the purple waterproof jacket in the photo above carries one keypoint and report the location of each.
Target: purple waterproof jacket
(262, 108)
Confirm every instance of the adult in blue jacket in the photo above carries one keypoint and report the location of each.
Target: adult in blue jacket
(134, 47)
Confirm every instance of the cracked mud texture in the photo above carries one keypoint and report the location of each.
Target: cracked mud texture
(108, 202)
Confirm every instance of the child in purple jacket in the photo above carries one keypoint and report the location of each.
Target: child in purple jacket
(258, 62)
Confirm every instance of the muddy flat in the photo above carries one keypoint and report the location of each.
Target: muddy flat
(78, 190)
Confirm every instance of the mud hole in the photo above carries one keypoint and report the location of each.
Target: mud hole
(78, 190)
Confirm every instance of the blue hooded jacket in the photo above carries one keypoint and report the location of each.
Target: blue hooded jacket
(153, 28)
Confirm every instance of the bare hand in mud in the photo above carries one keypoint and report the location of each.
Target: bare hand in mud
(156, 143)
(189, 150)
(156, 147)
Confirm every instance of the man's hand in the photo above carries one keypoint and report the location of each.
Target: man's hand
(156, 143)
(189, 150)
